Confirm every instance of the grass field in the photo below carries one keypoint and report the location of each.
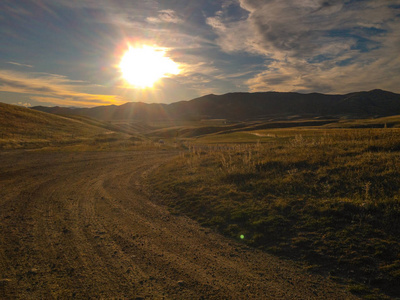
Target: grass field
(326, 195)
(330, 197)
(22, 128)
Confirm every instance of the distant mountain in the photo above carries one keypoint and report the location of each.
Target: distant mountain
(248, 106)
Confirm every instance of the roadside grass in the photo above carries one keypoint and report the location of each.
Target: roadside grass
(329, 197)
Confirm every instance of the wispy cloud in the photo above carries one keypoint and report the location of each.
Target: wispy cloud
(165, 16)
(316, 45)
(19, 64)
(52, 88)
(376, 69)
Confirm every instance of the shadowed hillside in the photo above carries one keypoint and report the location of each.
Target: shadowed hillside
(248, 106)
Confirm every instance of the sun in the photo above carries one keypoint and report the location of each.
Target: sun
(143, 66)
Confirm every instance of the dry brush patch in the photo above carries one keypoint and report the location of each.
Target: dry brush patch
(331, 198)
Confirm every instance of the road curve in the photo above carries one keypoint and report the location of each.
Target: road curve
(82, 225)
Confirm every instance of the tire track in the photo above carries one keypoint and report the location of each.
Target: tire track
(81, 225)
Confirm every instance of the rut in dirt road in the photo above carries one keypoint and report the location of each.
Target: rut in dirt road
(82, 225)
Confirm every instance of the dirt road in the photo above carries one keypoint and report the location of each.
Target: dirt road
(82, 225)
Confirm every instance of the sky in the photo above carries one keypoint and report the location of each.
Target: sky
(67, 52)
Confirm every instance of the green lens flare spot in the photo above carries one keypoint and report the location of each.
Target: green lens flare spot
(242, 236)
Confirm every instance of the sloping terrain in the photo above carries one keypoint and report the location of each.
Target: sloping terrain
(388, 122)
(203, 130)
(81, 225)
(21, 127)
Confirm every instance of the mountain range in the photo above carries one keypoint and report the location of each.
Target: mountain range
(247, 106)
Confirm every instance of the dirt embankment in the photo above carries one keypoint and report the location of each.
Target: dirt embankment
(82, 225)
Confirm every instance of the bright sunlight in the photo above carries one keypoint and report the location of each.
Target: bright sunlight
(142, 67)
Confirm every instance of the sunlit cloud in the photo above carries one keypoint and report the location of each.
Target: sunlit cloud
(24, 104)
(80, 100)
(167, 16)
(52, 88)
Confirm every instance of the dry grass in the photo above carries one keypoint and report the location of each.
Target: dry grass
(22, 128)
(328, 197)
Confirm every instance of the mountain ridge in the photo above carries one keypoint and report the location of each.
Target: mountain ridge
(248, 106)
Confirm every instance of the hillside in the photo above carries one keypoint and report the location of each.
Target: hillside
(21, 127)
(248, 106)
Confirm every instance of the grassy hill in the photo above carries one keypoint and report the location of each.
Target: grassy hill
(23, 128)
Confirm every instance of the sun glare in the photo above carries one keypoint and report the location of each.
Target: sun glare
(143, 66)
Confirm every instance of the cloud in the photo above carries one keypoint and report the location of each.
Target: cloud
(316, 45)
(104, 24)
(327, 77)
(25, 104)
(308, 28)
(53, 88)
(222, 46)
(232, 35)
(165, 16)
(19, 64)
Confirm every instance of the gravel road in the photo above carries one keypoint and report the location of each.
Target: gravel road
(83, 225)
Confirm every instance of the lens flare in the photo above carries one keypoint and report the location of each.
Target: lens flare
(143, 66)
